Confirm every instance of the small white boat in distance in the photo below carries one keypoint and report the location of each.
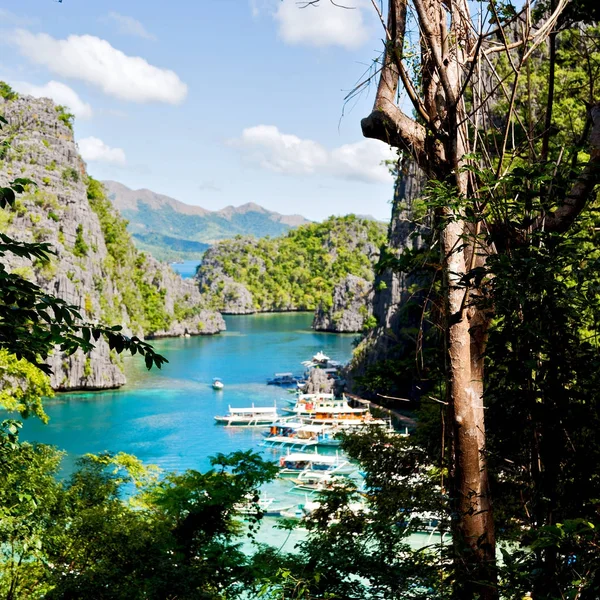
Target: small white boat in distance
(255, 416)
(217, 384)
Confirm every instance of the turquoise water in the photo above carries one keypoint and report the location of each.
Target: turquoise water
(186, 269)
(166, 417)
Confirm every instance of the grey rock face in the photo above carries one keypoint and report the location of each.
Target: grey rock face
(352, 306)
(318, 383)
(58, 212)
(235, 298)
(391, 288)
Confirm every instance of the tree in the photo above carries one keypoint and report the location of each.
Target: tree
(178, 535)
(469, 148)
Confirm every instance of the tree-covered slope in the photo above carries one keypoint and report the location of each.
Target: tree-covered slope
(172, 230)
(96, 265)
(297, 271)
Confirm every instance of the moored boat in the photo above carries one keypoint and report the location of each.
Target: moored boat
(254, 416)
(297, 462)
(298, 433)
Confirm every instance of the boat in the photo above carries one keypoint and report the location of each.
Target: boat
(326, 407)
(298, 462)
(296, 433)
(284, 379)
(315, 481)
(217, 384)
(321, 361)
(254, 416)
(250, 507)
(305, 509)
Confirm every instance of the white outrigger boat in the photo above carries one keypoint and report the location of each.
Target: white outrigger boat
(255, 416)
(325, 409)
(315, 481)
(297, 433)
(298, 462)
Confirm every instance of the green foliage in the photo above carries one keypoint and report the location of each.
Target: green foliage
(141, 297)
(65, 116)
(298, 270)
(87, 367)
(80, 248)
(22, 386)
(7, 92)
(70, 174)
(177, 536)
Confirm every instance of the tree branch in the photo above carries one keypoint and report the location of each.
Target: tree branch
(387, 122)
(562, 218)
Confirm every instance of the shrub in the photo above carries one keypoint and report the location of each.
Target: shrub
(80, 248)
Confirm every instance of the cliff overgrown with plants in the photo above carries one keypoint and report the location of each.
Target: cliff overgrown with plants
(95, 265)
(297, 271)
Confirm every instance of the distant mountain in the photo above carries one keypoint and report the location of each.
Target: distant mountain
(171, 230)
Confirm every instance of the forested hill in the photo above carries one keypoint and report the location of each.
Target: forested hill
(171, 230)
(96, 266)
(297, 271)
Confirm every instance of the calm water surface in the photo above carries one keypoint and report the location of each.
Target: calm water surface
(186, 269)
(166, 417)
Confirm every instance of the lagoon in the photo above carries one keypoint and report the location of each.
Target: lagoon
(166, 417)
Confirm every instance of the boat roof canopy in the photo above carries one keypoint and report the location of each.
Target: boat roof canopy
(253, 410)
(283, 374)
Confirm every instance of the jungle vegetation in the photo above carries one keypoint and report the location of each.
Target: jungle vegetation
(299, 270)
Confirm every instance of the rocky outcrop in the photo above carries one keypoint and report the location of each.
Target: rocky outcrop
(352, 306)
(83, 272)
(318, 382)
(231, 297)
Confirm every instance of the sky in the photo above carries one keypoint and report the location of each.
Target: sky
(212, 102)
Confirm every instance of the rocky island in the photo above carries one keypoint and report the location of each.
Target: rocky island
(324, 267)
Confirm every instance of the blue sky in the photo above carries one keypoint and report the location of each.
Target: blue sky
(213, 102)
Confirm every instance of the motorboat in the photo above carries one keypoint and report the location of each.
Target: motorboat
(315, 481)
(254, 416)
(217, 384)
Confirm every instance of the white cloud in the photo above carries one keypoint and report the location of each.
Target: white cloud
(322, 24)
(94, 149)
(93, 60)
(130, 26)
(7, 17)
(59, 92)
(266, 146)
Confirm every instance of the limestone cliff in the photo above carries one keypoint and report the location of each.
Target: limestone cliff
(391, 287)
(95, 267)
(352, 306)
